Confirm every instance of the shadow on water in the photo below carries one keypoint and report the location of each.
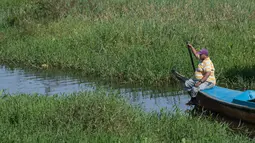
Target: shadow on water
(50, 82)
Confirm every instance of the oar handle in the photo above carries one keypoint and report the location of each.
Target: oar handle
(190, 54)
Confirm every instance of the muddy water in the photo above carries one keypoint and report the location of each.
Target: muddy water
(18, 80)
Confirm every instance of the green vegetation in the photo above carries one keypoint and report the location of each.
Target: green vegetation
(96, 117)
(131, 40)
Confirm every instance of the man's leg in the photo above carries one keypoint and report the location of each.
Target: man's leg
(203, 86)
(189, 84)
(194, 90)
(206, 85)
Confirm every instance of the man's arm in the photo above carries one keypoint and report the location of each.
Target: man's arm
(205, 77)
(207, 74)
(194, 51)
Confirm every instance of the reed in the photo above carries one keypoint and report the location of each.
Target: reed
(101, 117)
(129, 40)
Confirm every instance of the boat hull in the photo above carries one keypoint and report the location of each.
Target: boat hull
(234, 111)
(211, 103)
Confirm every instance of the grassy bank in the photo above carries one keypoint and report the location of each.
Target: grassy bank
(95, 117)
(131, 40)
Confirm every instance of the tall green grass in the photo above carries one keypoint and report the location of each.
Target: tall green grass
(100, 117)
(131, 40)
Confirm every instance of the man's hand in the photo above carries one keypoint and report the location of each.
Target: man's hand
(193, 50)
(189, 45)
(198, 83)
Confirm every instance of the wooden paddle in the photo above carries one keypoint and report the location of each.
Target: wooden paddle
(190, 54)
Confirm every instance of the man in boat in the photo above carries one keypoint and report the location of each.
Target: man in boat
(204, 74)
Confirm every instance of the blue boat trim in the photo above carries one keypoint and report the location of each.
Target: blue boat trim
(242, 98)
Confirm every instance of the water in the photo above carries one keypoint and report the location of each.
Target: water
(18, 80)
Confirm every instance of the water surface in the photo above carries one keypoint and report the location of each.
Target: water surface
(18, 80)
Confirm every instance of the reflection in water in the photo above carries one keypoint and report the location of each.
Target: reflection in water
(48, 83)
(19, 81)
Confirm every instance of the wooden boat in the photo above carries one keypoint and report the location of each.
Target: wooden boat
(233, 103)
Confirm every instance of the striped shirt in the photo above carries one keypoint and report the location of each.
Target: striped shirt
(206, 66)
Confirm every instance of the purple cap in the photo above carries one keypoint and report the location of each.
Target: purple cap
(203, 51)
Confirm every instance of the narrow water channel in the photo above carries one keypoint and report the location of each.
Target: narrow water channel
(18, 80)
(45, 82)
